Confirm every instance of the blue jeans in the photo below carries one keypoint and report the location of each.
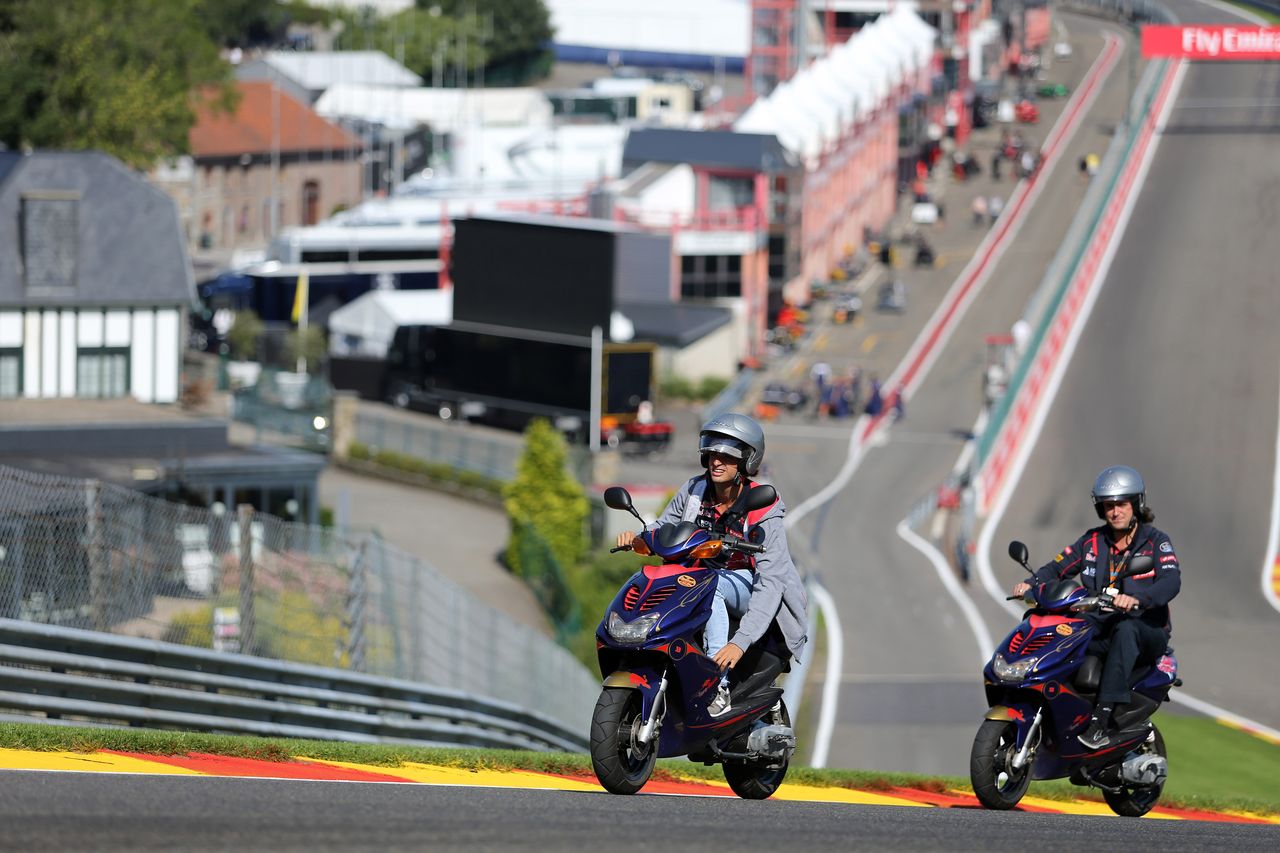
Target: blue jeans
(733, 593)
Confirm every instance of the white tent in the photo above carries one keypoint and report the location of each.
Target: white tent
(367, 324)
(444, 110)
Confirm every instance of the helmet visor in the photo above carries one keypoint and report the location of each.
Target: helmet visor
(716, 443)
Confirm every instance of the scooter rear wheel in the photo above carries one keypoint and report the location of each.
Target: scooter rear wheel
(622, 764)
(1135, 802)
(757, 780)
(994, 783)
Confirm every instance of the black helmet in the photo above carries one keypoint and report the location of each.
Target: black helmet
(736, 435)
(1119, 482)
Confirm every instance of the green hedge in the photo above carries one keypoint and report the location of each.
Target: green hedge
(681, 388)
(437, 471)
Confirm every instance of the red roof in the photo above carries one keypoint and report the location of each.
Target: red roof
(249, 129)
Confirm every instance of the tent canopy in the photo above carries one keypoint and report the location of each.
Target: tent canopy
(367, 325)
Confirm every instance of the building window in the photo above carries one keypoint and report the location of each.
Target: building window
(102, 372)
(710, 276)
(310, 202)
(730, 192)
(50, 236)
(10, 373)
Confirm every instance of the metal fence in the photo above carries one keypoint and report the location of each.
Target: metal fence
(81, 554)
(465, 447)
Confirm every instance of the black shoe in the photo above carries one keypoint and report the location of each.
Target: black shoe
(1096, 736)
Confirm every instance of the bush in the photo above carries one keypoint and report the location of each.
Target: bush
(437, 471)
(711, 386)
(245, 334)
(676, 388)
(307, 344)
(545, 496)
(682, 388)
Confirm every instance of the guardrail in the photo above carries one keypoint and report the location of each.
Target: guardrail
(88, 677)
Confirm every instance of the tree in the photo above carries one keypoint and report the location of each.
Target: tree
(244, 335)
(115, 76)
(305, 344)
(419, 39)
(515, 28)
(456, 34)
(250, 23)
(545, 498)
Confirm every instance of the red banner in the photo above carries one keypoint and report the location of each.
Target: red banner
(1211, 41)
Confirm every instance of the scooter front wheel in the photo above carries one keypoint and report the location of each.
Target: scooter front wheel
(621, 763)
(995, 783)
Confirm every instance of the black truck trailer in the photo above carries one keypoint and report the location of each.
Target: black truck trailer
(504, 378)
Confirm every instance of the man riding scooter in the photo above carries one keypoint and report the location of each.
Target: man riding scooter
(1138, 630)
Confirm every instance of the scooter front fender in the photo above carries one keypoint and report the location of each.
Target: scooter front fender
(641, 678)
(1020, 715)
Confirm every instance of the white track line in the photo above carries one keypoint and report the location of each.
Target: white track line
(1273, 535)
(948, 577)
(835, 665)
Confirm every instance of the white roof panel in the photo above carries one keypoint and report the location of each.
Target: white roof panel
(320, 69)
(445, 110)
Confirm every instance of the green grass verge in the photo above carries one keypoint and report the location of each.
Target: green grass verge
(1212, 767)
(1265, 14)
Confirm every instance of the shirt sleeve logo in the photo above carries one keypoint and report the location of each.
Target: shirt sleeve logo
(1167, 547)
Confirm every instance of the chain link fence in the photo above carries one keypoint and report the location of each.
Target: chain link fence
(83, 554)
(543, 574)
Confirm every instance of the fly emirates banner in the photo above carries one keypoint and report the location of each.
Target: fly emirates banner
(1211, 41)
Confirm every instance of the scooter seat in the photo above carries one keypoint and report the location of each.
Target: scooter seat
(1089, 674)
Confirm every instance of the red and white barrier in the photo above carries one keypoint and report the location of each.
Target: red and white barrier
(1078, 299)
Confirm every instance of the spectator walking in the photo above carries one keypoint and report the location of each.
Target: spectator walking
(875, 401)
(979, 208)
(995, 205)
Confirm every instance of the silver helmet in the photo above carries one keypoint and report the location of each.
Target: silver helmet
(1117, 483)
(736, 435)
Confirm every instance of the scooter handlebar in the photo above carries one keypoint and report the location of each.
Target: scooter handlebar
(748, 547)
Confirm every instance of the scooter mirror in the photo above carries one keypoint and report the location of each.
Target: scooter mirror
(761, 496)
(1018, 552)
(616, 497)
(1139, 565)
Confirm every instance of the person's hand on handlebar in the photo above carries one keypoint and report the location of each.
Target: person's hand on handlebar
(1124, 603)
(625, 537)
(1020, 589)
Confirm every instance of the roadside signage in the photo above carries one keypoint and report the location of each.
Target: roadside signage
(1211, 41)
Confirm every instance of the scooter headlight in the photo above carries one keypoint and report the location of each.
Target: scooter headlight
(632, 632)
(1016, 671)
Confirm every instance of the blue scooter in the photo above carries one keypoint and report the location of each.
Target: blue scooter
(1041, 685)
(658, 680)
